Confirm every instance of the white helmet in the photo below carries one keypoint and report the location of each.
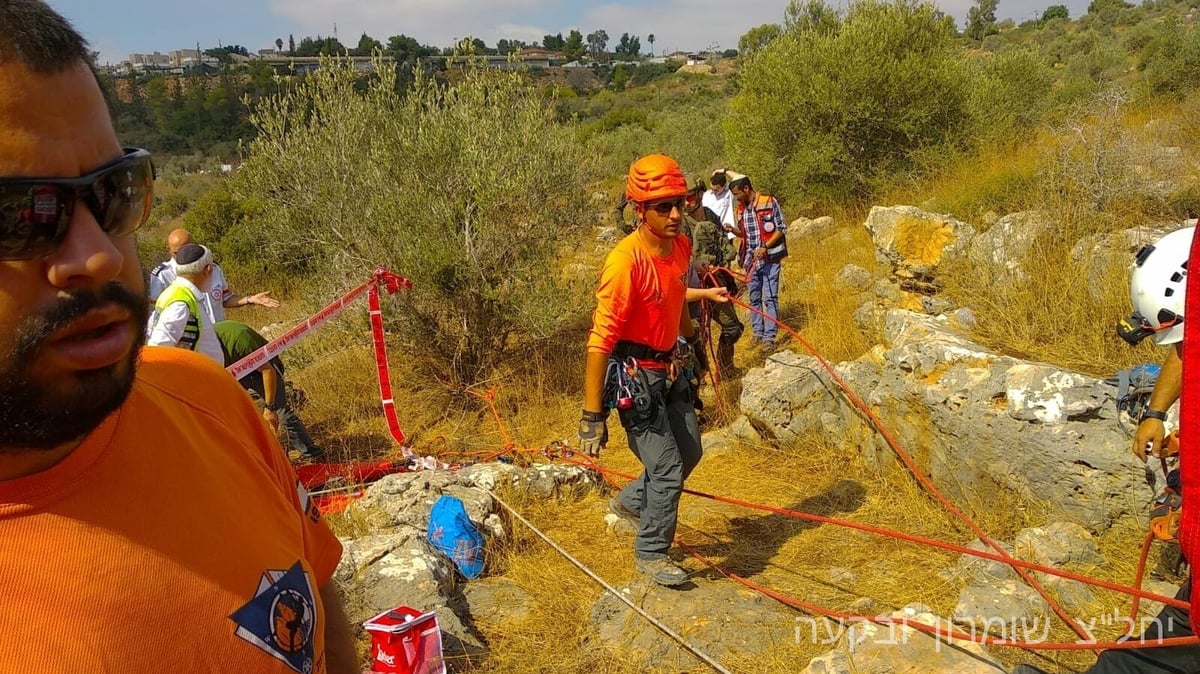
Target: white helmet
(1159, 283)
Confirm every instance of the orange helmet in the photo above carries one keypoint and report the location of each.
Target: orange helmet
(653, 178)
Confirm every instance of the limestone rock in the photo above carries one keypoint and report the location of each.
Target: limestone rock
(718, 617)
(914, 242)
(854, 277)
(977, 422)
(802, 228)
(1003, 248)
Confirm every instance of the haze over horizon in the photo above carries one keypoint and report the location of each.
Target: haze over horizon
(146, 26)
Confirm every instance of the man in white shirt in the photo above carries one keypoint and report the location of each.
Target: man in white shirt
(219, 295)
(179, 319)
(720, 200)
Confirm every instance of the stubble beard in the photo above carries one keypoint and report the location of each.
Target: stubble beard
(42, 415)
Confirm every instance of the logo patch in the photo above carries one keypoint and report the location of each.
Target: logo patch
(307, 505)
(281, 618)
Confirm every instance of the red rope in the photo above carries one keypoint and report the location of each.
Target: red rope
(925, 482)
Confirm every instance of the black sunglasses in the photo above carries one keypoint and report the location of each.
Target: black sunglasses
(35, 213)
(664, 208)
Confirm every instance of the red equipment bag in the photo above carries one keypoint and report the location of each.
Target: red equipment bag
(405, 641)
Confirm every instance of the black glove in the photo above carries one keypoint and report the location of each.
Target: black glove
(593, 433)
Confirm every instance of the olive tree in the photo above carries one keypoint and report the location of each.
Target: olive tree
(827, 111)
(468, 187)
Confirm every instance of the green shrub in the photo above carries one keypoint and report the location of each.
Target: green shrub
(828, 114)
(1010, 92)
(170, 205)
(1171, 61)
(648, 72)
(468, 188)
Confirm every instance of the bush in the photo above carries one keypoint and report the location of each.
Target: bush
(829, 113)
(1171, 61)
(470, 189)
(648, 72)
(1010, 92)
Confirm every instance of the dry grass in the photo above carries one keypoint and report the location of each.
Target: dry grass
(1054, 315)
(790, 556)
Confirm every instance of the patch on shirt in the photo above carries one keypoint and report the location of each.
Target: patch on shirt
(281, 619)
(768, 222)
(307, 505)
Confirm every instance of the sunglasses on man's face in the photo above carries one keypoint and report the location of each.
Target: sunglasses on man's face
(664, 208)
(35, 213)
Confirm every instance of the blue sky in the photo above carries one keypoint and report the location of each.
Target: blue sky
(117, 28)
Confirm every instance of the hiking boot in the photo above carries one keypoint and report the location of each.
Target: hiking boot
(662, 571)
(617, 508)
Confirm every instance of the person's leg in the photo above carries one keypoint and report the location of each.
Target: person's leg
(754, 288)
(731, 329)
(770, 300)
(297, 435)
(655, 494)
(1170, 622)
(685, 428)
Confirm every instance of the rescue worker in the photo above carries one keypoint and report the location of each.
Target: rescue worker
(636, 337)
(712, 254)
(763, 234)
(150, 522)
(179, 318)
(1158, 288)
(1150, 282)
(267, 386)
(219, 296)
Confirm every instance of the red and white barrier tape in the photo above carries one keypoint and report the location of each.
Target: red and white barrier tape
(380, 278)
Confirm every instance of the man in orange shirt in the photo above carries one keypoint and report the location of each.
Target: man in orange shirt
(640, 315)
(150, 521)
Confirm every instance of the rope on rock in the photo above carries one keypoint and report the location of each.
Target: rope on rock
(657, 624)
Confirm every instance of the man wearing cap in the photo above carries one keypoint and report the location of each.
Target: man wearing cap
(151, 521)
(763, 234)
(219, 296)
(178, 318)
(639, 318)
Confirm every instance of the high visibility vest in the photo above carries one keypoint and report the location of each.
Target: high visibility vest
(765, 217)
(177, 292)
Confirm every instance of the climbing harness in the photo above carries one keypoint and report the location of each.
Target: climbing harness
(1134, 387)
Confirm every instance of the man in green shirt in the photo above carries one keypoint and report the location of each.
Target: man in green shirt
(712, 254)
(266, 384)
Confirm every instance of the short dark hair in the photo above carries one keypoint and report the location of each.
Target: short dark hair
(738, 184)
(34, 34)
(718, 179)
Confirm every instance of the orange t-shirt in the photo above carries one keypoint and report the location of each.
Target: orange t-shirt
(641, 295)
(175, 538)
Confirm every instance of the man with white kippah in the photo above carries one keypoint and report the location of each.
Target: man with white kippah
(219, 295)
(179, 319)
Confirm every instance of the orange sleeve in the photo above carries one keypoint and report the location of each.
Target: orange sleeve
(613, 301)
(322, 549)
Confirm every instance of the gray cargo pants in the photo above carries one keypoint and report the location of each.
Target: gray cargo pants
(667, 442)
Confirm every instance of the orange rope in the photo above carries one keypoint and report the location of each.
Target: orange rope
(925, 482)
